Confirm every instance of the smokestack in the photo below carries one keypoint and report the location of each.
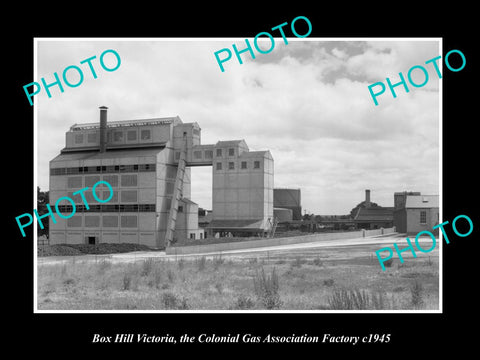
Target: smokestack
(367, 198)
(103, 128)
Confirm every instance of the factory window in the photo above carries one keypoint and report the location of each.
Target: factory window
(208, 154)
(128, 168)
(219, 152)
(74, 182)
(219, 166)
(110, 208)
(110, 221)
(146, 207)
(74, 221)
(111, 179)
(129, 180)
(128, 196)
(58, 171)
(192, 236)
(95, 208)
(244, 164)
(231, 165)
(128, 221)
(92, 221)
(79, 139)
(128, 207)
(145, 134)
(197, 154)
(256, 164)
(110, 169)
(180, 209)
(91, 169)
(423, 217)
(65, 209)
(92, 137)
(118, 136)
(146, 167)
(231, 152)
(91, 180)
(132, 135)
(74, 170)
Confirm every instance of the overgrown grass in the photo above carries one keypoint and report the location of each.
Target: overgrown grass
(266, 289)
(355, 299)
(288, 282)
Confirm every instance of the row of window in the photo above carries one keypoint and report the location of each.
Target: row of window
(68, 209)
(207, 154)
(107, 221)
(103, 169)
(243, 165)
(127, 180)
(118, 136)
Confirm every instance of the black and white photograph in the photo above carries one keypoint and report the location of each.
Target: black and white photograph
(284, 184)
(269, 186)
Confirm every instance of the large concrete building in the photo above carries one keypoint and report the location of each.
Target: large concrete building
(414, 212)
(147, 163)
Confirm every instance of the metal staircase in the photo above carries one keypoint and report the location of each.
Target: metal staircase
(271, 233)
(177, 194)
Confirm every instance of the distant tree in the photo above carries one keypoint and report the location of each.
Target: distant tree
(42, 201)
(308, 216)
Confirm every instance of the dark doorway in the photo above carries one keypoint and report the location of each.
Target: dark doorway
(92, 240)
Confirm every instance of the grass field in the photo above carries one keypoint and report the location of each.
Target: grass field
(313, 279)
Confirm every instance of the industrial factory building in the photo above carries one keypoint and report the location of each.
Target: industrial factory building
(147, 163)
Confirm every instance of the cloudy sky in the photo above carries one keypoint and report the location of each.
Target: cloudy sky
(307, 102)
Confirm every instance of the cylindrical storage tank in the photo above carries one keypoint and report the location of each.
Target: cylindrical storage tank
(288, 199)
(282, 214)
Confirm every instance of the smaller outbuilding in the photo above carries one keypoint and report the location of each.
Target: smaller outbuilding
(414, 212)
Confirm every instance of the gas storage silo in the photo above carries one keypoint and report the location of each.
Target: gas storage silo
(288, 199)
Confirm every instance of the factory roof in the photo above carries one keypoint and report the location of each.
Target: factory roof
(374, 213)
(422, 201)
(121, 123)
(229, 142)
(96, 155)
(253, 154)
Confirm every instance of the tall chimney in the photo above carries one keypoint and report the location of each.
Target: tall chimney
(367, 198)
(103, 128)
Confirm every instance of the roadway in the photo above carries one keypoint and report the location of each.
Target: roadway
(381, 241)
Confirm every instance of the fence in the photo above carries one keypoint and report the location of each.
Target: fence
(197, 249)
